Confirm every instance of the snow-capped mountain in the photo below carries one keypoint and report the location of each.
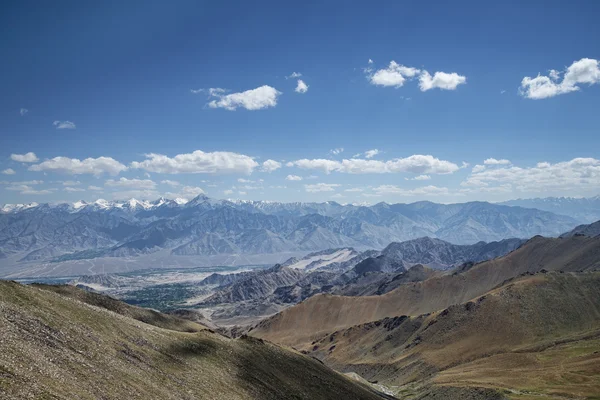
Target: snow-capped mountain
(205, 226)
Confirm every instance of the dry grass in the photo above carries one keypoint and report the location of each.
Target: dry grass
(55, 346)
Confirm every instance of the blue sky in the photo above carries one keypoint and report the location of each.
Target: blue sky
(111, 83)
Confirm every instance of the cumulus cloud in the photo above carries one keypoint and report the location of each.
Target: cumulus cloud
(293, 178)
(142, 194)
(440, 80)
(26, 158)
(64, 125)
(579, 72)
(321, 187)
(253, 99)
(23, 111)
(71, 183)
(396, 190)
(421, 178)
(270, 166)
(493, 161)
(73, 189)
(131, 183)
(294, 75)
(170, 183)
(26, 189)
(478, 168)
(9, 171)
(577, 175)
(74, 166)
(354, 190)
(95, 188)
(371, 153)
(418, 164)
(394, 75)
(301, 87)
(198, 162)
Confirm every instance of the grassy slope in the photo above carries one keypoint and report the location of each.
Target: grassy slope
(319, 315)
(57, 346)
(534, 336)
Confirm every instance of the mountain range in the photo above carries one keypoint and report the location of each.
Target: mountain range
(583, 209)
(43, 233)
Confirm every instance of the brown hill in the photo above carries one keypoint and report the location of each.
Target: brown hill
(537, 333)
(61, 343)
(322, 314)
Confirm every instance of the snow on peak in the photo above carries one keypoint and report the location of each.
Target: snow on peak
(7, 208)
(79, 204)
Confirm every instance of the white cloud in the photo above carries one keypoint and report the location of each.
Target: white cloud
(210, 91)
(321, 187)
(478, 168)
(293, 178)
(370, 61)
(493, 161)
(34, 182)
(27, 157)
(337, 196)
(250, 187)
(228, 191)
(131, 183)
(585, 70)
(9, 171)
(336, 151)
(170, 183)
(23, 111)
(440, 80)
(64, 125)
(26, 189)
(354, 190)
(301, 87)
(418, 164)
(198, 162)
(421, 191)
(294, 75)
(394, 75)
(74, 166)
(371, 153)
(71, 183)
(270, 166)
(186, 192)
(140, 194)
(72, 189)
(242, 193)
(253, 99)
(421, 178)
(95, 188)
(579, 175)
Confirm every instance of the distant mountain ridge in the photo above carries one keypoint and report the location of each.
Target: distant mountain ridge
(583, 209)
(204, 226)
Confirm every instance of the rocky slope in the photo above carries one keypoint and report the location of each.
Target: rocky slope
(69, 345)
(541, 325)
(592, 229)
(323, 313)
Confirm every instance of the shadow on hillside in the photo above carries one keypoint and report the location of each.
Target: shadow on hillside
(268, 372)
(192, 347)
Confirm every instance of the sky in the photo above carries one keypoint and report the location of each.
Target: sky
(451, 101)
